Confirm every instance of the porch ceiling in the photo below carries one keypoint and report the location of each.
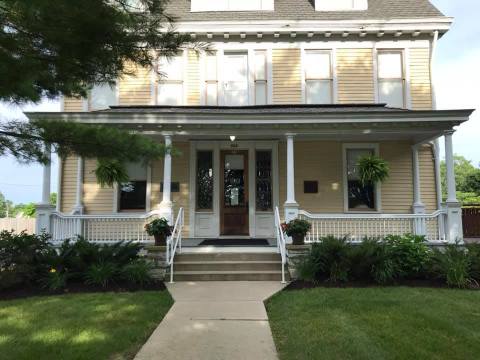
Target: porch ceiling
(342, 122)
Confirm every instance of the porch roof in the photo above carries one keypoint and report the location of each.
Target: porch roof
(272, 120)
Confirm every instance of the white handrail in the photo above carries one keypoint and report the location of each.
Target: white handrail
(281, 245)
(174, 241)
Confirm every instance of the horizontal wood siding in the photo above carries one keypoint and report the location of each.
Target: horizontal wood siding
(96, 200)
(72, 104)
(287, 76)
(135, 89)
(180, 173)
(397, 191)
(193, 78)
(69, 184)
(420, 84)
(427, 178)
(355, 76)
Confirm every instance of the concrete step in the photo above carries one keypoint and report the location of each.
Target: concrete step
(227, 275)
(267, 265)
(222, 256)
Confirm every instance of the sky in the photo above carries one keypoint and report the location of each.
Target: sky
(457, 83)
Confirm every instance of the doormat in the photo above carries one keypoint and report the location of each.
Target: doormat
(235, 242)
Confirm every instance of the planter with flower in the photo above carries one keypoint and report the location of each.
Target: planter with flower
(160, 230)
(297, 229)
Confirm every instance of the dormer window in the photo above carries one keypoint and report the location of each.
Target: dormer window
(231, 5)
(341, 5)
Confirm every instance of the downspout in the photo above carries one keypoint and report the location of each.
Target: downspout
(436, 143)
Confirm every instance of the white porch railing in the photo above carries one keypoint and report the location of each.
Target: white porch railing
(175, 241)
(101, 228)
(281, 244)
(358, 226)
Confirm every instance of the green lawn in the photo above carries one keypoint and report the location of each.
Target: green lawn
(376, 323)
(81, 326)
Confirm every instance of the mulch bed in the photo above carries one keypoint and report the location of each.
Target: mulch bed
(77, 288)
(300, 285)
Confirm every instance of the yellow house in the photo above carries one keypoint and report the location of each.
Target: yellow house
(276, 116)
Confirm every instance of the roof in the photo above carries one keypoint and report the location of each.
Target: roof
(257, 109)
(305, 10)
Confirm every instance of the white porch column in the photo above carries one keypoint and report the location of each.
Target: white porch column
(418, 207)
(166, 208)
(44, 209)
(78, 209)
(454, 210)
(291, 205)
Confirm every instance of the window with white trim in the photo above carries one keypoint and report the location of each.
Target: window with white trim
(103, 96)
(359, 197)
(260, 77)
(211, 79)
(133, 194)
(391, 78)
(231, 5)
(318, 77)
(170, 85)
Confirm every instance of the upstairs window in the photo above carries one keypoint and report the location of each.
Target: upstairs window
(231, 5)
(103, 96)
(391, 78)
(211, 80)
(133, 194)
(318, 77)
(341, 5)
(170, 86)
(260, 77)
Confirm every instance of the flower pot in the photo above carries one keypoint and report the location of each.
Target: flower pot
(160, 239)
(298, 239)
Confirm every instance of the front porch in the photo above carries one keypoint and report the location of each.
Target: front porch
(235, 166)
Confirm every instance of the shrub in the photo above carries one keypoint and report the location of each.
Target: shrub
(474, 255)
(330, 259)
(101, 274)
(54, 280)
(454, 266)
(138, 272)
(410, 254)
(23, 258)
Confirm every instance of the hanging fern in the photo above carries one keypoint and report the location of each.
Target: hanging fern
(372, 169)
(108, 172)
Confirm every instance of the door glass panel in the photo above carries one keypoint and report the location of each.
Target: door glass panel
(234, 180)
(204, 180)
(263, 168)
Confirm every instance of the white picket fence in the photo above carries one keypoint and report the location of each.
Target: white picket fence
(355, 227)
(18, 225)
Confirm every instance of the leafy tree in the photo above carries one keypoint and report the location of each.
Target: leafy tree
(467, 178)
(53, 47)
(6, 206)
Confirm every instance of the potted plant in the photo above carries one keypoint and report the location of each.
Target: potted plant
(372, 169)
(297, 229)
(160, 230)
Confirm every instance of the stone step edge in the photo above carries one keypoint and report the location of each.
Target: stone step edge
(274, 272)
(226, 262)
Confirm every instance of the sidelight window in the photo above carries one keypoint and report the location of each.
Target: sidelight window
(204, 181)
(263, 170)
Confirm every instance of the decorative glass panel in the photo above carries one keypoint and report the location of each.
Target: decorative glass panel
(359, 197)
(263, 179)
(234, 180)
(204, 180)
(319, 92)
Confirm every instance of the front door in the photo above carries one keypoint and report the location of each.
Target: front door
(234, 193)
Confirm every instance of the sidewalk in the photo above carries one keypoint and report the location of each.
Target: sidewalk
(214, 321)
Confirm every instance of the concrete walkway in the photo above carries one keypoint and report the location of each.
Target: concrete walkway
(214, 321)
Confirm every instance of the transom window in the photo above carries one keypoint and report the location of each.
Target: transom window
(318, 77)
(133, 194)
(359, 197)
(170, 85)
(391, 78)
